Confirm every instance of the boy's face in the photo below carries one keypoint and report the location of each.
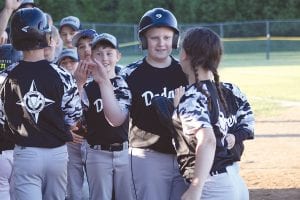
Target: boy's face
(50, 50)
(66, 34)
(159, 40)
(84, 49)
(69, 64)
(108, 56)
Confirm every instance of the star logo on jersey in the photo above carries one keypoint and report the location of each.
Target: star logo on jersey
(34, 101)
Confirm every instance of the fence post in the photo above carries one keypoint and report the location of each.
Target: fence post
(136, 37)
(221, 30)
(268, 40)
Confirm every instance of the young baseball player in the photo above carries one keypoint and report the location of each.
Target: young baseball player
(201, 121)
(68, 27)
(55, 47)
(155, 172)
(41, 105)
(106, 100)
(82, 41)
(240, 121)
(8, 56)
(77, 151)
(68, 59)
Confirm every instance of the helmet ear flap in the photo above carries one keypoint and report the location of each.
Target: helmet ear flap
(175, 43)
(143, 40)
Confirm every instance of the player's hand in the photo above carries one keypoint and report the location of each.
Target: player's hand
(192, 193)
(99, 72)
(12, 4)
(179, 92)
(77, 139)
(81, 73)
(3, 38)
(230, 139)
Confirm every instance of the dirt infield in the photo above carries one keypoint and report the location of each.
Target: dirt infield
(271, 162)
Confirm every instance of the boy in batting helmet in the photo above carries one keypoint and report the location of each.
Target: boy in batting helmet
(153, 157)
(41, 105)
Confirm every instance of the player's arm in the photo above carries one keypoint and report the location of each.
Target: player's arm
(81, 75)
(205, 152)
(9, 7)
(245, 118)
(114, 113)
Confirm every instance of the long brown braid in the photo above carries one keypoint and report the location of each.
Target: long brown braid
(204, 48)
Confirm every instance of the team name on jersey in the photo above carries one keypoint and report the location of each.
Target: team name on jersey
(148, 95)
(231, 120)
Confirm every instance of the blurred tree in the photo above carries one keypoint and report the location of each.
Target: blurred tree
(186, 11)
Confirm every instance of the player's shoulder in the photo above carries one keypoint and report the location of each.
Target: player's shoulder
(4, 73)
(64, 75)
(129, 69)
(232, 89)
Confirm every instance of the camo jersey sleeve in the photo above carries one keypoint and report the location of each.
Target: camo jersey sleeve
(3, 75)
(122, 92)
(244, 114)
(192, 111)
(126, 71)
(71, 103)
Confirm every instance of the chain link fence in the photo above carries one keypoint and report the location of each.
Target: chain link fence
(239, 37)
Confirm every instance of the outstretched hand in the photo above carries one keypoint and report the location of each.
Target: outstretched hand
(81, 73)
(179, 92)
(99, 72)
(12, 4)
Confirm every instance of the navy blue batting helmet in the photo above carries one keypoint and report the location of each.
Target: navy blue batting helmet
(30, 29)
(158, 17)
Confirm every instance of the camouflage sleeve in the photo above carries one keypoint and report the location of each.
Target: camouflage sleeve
(126, 71)
(244, 114)
(122, 92)
(71, 102)
(3, 75)
(192, 111)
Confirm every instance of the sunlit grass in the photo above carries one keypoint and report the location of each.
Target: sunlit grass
(266, 83)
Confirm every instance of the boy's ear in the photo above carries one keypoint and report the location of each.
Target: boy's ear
(119, 56)
(184, 56)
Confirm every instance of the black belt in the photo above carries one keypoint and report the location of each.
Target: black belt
(216, 172)
(110, 147)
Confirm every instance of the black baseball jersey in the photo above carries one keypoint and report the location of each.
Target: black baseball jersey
(99, 129)
(192, 114)
(39, 101)
(145, 82)
(240, 118)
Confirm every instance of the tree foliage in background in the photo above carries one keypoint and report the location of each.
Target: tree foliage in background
(186, 11)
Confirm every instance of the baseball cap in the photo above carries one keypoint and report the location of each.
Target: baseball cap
(71, 53)
(105, 37)
(8, 55)
(86, 33)
(71, 21)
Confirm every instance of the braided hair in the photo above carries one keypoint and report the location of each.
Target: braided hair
(204, 48)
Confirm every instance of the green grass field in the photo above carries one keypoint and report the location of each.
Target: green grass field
(268, 84)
